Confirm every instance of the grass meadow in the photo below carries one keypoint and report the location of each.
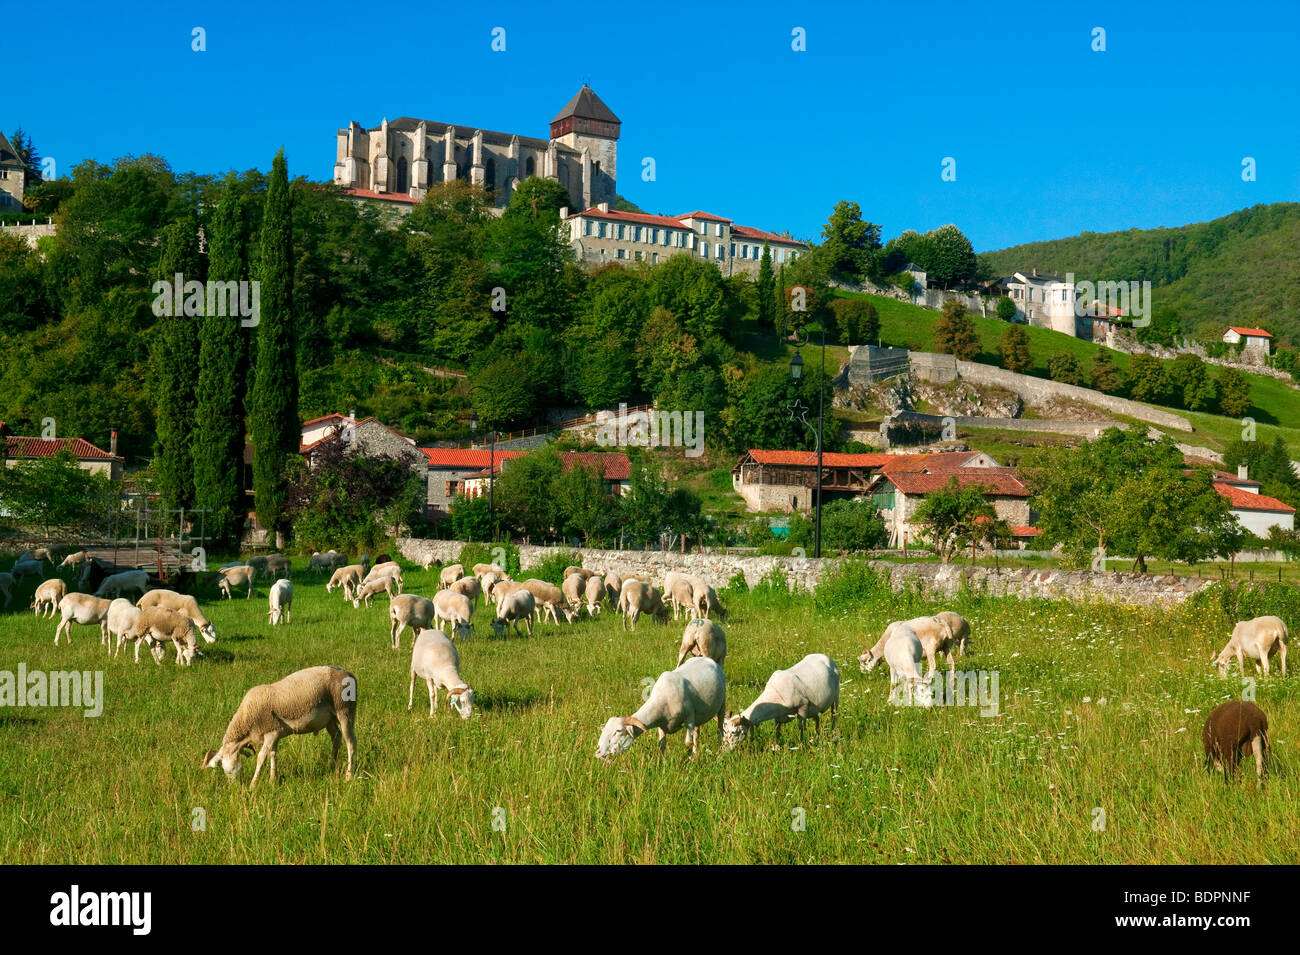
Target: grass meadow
(1094, 755)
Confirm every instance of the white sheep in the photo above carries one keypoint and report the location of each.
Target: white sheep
(707, 603)
(935, 634)
(1257, 639)
(428, 560)
(613, 588)
(703, 638)
(434, 659)
(122, 618)
(903, 652)
(573, 588)
(548, 597)
(594, 592)
(511, 609)
(805, 691)
(372, 588)
(239, 576)
(409, 610)
(685, 698)
(158, 625)
(85, 610)
(129, 580)
(450, 574)
(469, 586)
(182, 604)
(47, 596)
(456, 609)
(638, 597)
(280, 601)
(680, 594)
(349, 578)
(308, 701)
(387, 570)
(74, 560)
(960, 628)
(481, 570)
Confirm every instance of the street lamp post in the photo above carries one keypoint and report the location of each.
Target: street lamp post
(796, 372)
(492, 466)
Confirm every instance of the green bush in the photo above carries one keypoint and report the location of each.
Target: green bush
(848, 584)
(504, 554)
(551, 567)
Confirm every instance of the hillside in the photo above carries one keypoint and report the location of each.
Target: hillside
(1276, 406)
(1241, 269)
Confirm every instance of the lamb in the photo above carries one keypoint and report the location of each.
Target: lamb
(805, 691)
(387, 569)
(280, 601)
(237, 577)
(960, 628)
(349, 578)
(47, 596)
(83, 609)
(449, 575)
(594, 592)
(74, 560)
(159, 625)
(277, 566)
(368, 590)
(511, 609)
(308, 701)
(1228, 728)
(435, 660)
(122, 617)
(1257, 639)
(469, 586)
(27, 568)
(935, 634)
(685, 698)
(902, 651)
(703, 638)
(182, 604)
(455, 608)
(409, 610)
(137, 580)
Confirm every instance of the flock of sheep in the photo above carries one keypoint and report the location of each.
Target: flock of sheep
(683, 699)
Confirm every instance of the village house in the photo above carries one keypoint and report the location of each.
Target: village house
(1256, 512)
(450, 469)
(1045, 301)
(1255, 342)
(88, 456)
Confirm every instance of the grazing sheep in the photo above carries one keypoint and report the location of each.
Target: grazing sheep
(122, 618)
(277, 566)
(308, 701)
(160, 625)
(378, 586)
(469, 586)
(480, 570)
(387, 569)
(1257, 639)
(703, 638)
(435, 660)
(455, 608)
(258, 564)
(280, 601)
(581, 572)
(27, 568)
(681, 595)
(74, 560)
(935, 634)
(449, 575)
(805, 691)
(428, 560)
(902, 651)
(7, 587)
(134, 580)
(349, 578)
(960, 628)
(319, 562)
(638, 597)
(594, 592)
(47, 596)
(83, 609)
(237, 577)
(573, 588)
(409, 610)
(708, 605)
(182, 604)
(1228, 728)
(685, 698)
(613, 588)
(512, 608)
(549, 598)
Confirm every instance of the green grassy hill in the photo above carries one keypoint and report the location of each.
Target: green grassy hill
(1241, 269)
(1276, 405)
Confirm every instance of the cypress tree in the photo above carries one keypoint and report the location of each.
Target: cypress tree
(223, 372)
(766, 291)
(172, 360)
(273, 410)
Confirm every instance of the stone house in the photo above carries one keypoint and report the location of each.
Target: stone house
(450, 469)
(398, 161)
(1256, 342)
(1045, 301)
(1256, 512)
(600, 235)
(13, 177)
(88, 456)
(897, 493)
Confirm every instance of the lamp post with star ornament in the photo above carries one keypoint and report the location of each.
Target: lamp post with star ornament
(798, 408)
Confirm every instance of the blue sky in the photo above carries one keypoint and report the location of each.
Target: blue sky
(1050, 138)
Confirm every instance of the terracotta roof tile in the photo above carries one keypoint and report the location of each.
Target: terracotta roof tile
(17, 446)
(1247, 501)
(1257, 332)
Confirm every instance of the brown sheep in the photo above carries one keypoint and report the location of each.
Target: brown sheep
(1228, 728)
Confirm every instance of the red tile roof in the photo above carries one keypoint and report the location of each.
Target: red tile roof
(1248, 501)
(704, 215)
(758, 235)
(17, 446)
(1256, 332)
(999, 481)
(1025, 530)
(463, 458)
(328, 417)
(616, 465)
(829, 459)
(934, 463)
(389, 196)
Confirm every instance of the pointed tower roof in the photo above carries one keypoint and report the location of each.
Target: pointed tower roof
(587, 105)
(9, 154)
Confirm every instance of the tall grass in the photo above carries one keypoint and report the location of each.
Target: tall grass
(1100, 708)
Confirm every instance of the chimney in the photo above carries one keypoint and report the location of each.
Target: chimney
(603, 206)
(564, 213)
(1241, 473)
(1035, 273)
(112, 443)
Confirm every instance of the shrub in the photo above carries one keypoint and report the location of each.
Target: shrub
(1065, 369)
(551, 567)
(504, 555)
(847, 585)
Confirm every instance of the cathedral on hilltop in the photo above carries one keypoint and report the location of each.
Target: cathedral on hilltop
(399, 160)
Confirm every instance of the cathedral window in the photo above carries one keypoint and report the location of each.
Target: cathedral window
(530, 167)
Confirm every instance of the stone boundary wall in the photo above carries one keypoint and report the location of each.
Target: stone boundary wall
(804, 573)
(1036, 390)
(31, 231)
(1054, 426)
